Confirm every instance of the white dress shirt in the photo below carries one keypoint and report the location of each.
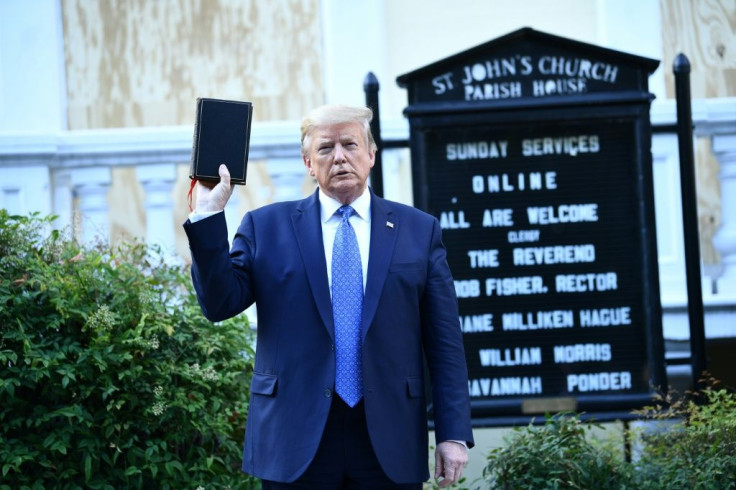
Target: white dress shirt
(360, 221)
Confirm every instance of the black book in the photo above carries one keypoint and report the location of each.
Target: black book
(221, 135)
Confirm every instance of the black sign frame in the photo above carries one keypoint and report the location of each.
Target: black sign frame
(625, 114)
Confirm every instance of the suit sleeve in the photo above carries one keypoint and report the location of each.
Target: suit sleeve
(443, 346)
(222, 278)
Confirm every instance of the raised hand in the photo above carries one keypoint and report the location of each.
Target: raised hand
(213, 197)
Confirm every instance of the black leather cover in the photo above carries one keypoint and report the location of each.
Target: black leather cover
(221, 135)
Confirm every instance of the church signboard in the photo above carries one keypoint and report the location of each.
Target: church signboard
(533, 151)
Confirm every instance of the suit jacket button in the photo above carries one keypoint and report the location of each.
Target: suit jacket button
(328, 393)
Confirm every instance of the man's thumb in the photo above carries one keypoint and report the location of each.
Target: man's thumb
(224, 174)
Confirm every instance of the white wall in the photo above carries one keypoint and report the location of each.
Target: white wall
(32, 87)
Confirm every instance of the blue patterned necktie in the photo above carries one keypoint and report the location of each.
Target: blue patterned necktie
(347, 307)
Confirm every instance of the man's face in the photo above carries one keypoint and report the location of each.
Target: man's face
(340, 159)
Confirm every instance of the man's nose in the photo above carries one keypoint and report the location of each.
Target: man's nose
(339, 154)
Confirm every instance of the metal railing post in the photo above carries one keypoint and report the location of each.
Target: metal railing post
(681, 70)
(371, 87)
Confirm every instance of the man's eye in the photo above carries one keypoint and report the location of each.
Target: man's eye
(324, 149)
(352, 146)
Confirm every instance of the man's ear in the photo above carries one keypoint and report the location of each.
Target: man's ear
(308, 164)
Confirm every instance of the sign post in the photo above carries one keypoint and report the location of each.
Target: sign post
(533, 151)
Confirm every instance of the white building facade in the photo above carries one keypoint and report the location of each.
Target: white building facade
(97, 106)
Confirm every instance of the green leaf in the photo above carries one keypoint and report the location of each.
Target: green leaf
(7, 356)
(87, 467)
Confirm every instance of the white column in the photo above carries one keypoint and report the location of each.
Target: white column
(724, 149)
(10, 198)
(24, 189)
(287, 175)
(90, 186)
(62, 200)
(668, 211)
(158, 184)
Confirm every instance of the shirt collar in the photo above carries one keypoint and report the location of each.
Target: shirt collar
(362, 206)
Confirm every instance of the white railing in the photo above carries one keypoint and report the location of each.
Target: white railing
(71, 172)
(714, 119)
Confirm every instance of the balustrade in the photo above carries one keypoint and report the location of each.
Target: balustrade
(78, 166)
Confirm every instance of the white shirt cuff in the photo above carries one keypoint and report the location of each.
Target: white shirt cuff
(463, 443)
(197, 216)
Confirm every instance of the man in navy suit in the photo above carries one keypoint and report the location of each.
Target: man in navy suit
(303, 430)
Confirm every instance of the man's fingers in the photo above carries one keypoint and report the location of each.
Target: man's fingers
(450, 458)
(451, 475)
(205, 184)
(448, 479)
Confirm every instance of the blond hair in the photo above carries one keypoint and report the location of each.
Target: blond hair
(328, 115)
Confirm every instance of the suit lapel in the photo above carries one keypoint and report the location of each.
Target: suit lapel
(384, 229)
(308, 231)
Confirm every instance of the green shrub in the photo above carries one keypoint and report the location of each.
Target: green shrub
(556, 455)
(695, 448)
(111, 376)
(697, 453)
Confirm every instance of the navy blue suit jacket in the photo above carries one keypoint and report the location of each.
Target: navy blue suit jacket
(410, 310)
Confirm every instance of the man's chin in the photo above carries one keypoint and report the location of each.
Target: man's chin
(346, 191)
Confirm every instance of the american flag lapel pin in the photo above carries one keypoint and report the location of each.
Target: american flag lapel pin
(389, 224)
